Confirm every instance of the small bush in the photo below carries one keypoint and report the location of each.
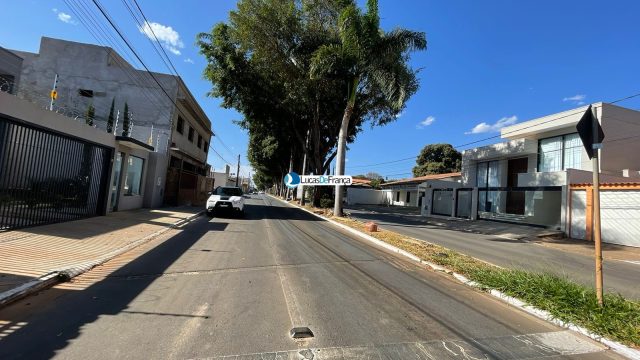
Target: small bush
(326, 202)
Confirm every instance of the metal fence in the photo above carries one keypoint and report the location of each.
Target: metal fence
(48, 177)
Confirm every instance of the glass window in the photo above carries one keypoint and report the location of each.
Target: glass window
(206, 147)
(408, 197)
(572, 151)
(493, 177)
(481, 174)
(228, 191)
(560, 153)
(133, 179)
(180, 126)
(550, 154)
(199, 141)
(190, 134)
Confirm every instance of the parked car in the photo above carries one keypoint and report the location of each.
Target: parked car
(226, 198)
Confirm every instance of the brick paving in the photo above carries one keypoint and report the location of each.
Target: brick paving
(29, 253)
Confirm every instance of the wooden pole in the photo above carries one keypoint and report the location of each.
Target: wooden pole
(596, 211)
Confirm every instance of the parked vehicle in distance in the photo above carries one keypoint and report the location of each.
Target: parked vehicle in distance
(226, 198)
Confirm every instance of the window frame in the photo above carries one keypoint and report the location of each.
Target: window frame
(128, 191)
(562, 151)
(191, 133)
(180, 125)
(205, 148)
(199, 141)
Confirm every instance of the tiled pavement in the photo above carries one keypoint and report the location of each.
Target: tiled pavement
(30, 253)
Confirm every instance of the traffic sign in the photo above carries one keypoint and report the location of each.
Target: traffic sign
(585, 129)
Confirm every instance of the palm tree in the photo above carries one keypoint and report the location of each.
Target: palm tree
(369, 60)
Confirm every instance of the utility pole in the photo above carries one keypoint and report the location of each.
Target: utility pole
(596, 209)
(54, 93)
(238, 172)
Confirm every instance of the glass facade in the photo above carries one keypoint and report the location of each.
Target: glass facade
(133, 179)
(487, 175)
(559, 153)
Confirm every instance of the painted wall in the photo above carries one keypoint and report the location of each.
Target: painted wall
(100, 69)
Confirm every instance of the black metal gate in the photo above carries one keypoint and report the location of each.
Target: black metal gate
(48, 177)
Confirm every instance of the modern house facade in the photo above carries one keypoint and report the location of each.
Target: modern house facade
(169, 134)
(525, 178)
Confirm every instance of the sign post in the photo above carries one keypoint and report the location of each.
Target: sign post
(54, 93)
(592, 135)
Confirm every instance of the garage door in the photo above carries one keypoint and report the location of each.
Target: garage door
(620, 212)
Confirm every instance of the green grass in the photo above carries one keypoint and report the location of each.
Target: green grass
(564, 299)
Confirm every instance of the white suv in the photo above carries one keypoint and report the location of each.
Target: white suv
(226, 198)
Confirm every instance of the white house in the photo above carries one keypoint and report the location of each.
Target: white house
(406, 192)
(525, 178)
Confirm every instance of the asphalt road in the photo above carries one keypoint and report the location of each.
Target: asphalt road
(234, 288)
(618, 276)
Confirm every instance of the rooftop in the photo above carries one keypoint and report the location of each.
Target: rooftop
(421, 179)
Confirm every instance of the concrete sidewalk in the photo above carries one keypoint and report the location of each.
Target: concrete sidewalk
(35, 257)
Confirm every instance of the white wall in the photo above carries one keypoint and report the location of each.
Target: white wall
(359, 196)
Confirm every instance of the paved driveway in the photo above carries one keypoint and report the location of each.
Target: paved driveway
(500, 244)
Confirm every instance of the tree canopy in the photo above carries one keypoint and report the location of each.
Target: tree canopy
(268, 63)
(437, 159)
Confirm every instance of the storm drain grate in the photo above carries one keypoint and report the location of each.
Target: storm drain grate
(301, 333)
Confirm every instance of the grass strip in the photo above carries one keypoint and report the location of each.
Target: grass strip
(564, 299)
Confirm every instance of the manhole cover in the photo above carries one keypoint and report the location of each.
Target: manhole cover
(301, 333)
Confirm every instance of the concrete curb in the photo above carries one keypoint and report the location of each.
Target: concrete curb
(55, 277)
(541, 314)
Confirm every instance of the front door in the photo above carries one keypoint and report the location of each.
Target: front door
(515, 199)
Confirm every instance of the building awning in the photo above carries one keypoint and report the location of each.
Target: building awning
(133, 143)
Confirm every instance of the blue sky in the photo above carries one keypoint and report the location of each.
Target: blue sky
(488, 63)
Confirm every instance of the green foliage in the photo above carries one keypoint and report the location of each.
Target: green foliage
(326, 202)
(276, 62)
(437, 159)
(90, 115)
(111, 118)
(126, 122)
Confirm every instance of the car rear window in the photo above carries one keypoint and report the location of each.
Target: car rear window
(228, 191)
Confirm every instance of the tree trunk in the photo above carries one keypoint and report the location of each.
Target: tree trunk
(342, 143)
(340, 156)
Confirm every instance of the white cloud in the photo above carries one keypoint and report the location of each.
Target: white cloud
(188, 60)
(168, 37)
(576, 99)
(483, 127)
(426, 122)
(64, 17)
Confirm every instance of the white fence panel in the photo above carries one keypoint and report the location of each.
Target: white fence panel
(620, 212)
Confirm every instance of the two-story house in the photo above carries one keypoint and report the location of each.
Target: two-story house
(525, 178)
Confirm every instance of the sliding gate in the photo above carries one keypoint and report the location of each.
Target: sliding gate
(48, 177)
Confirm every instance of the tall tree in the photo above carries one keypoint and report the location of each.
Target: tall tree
(90, 115)
(126, 122)
(373, 63)
(110, 118)
(437, 159)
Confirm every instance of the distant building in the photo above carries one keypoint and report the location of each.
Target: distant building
(175, 127)
(10, 67)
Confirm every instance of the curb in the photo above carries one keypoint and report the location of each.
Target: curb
(541, 314)
(54, 277)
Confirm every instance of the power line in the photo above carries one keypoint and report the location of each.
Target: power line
(113, 25)
(497, 136)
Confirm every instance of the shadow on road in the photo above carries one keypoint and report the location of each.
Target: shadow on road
(41, 335)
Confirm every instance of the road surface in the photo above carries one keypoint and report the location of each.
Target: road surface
(234, 288)
(619, 276)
